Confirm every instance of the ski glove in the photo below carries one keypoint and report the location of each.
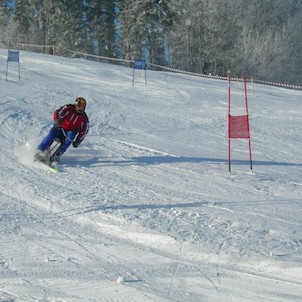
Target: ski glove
(58, 123)
(76, 143)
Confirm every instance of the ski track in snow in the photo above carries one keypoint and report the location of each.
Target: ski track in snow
(145, 209)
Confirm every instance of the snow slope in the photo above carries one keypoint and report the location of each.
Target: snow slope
(145, 209)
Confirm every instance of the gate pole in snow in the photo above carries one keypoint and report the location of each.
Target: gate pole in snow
(238, 126)
(142, 65)
(13, 56)
(229, 114)
(248, 124)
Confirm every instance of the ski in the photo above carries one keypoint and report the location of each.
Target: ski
(51, 165)
(51, 156)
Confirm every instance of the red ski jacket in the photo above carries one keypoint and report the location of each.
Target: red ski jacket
(72, 120)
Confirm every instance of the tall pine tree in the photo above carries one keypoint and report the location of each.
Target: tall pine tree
(144, 24)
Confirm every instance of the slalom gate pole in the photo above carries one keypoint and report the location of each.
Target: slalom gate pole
(229, 117)
(19, 71)
(248, 124)
(252, 83)
(245, 95)
(133, 76)
(6, 69)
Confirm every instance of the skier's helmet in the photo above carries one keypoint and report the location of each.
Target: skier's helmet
(80, 104)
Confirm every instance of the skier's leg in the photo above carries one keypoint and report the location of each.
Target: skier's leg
(49, 138)
(68, 140)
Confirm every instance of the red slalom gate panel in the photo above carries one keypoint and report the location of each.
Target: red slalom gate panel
(239, 126)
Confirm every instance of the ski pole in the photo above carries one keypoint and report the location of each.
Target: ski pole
(64, 133)
(53, 147)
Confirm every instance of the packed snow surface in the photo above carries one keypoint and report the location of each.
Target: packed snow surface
(146, 208)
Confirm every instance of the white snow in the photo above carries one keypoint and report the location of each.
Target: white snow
(145, 209)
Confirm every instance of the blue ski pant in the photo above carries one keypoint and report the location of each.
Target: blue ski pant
(57, 133)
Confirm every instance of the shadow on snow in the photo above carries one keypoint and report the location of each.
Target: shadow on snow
(157, 160)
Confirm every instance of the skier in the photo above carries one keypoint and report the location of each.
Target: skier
(71, 125)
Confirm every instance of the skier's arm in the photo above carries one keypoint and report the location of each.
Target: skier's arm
(82, 132)
(61, 112)
(59, 115)
(57, 118)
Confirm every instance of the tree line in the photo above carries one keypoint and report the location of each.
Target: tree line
(259, 38)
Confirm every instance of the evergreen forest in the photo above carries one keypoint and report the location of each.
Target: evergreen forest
(259, 38)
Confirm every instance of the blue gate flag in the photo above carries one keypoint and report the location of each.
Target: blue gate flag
(140, 64)
(13, 56)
